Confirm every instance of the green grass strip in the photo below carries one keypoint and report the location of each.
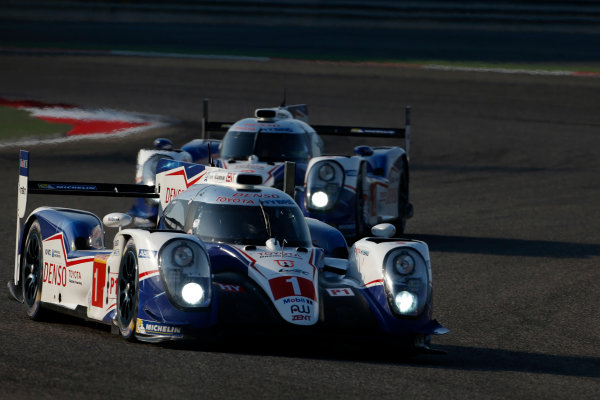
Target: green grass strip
(16, 124)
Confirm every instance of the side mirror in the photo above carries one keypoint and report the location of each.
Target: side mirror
(363, 151)
(384, 230)
(163, 144)
(116, 220)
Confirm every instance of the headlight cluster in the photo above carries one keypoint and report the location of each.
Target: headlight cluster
(324, 185)
(185, 271)
(406, 281)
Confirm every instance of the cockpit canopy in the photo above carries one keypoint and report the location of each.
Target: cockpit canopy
(247, 222)
(267, 146)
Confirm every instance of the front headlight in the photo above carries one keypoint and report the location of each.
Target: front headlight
(406, 281)
(324, 184)
(185, 270)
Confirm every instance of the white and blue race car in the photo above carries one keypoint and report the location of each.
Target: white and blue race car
(228, 254)
(351, 193)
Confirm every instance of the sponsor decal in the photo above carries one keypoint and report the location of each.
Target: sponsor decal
(285, 263)
(269, 254)
(297, 300)
(55, 274)
(238, 200)
(75, 277)
(297, 317)
(361, 252)
(373, 131)
(300, 309)
(340, 292)
(228, 287)
(155, 328)
(171, 193)
(257, 195)
(56, 254)
(229, 177)
(294, 271)
(145, 253)
(49, 186)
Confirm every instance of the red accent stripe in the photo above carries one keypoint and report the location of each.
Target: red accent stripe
(252, 263)
(373, 282)
(143, 274)
(80, 261)
(182, 173)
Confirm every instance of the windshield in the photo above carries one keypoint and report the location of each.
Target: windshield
(246, 224)
(267, 146)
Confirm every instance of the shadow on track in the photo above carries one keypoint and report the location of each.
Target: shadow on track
(508, 247)
(457, 357)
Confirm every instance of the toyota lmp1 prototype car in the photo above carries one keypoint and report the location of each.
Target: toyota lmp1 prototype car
(351, 193)
(228, 254)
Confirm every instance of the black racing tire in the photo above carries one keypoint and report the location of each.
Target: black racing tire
(359, 209)
(403, 200)
(128, 292)
(32, 272)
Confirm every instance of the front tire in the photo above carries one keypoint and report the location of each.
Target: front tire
(32, 270)
(128, 292)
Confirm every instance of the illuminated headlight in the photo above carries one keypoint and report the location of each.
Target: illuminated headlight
(406, 302)
(319, 199)
(407, 281)
(324, 183)
(185, 271)
(192, 293)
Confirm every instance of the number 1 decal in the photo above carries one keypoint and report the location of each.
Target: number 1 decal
(287, 286)
(99, 281)
(295, 285)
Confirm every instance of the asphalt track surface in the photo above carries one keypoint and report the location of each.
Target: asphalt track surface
(505, 184)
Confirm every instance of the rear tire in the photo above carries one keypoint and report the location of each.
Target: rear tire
(32, 272)
(128, 292)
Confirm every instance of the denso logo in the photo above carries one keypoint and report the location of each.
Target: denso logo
(55, 274)
(171, 193)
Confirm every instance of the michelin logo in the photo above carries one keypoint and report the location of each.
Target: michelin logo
(152, 328)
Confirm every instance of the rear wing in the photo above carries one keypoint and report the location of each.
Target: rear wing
(301, 112)
(27, 187)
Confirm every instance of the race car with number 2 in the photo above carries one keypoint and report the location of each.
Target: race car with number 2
(351, 193)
